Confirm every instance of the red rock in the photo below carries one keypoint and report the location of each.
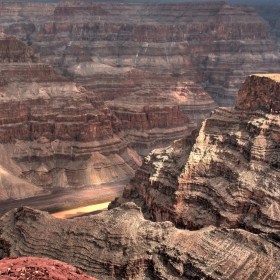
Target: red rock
(39, 268)
(53, 132)
(214, 44)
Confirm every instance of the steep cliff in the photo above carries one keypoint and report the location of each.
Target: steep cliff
(120, 244)
(229, 177)
(97, 44)
(53, 132)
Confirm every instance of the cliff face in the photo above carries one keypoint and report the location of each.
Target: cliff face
(153, 115)
(229, 177)
(54, 132)
(120, 244)
(98, 44)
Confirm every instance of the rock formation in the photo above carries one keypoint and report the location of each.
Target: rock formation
(153, 115)
(53, 132)
(98, 44)
(229, 177)
(39, 268)
(120, 244)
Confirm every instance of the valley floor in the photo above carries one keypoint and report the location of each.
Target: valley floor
(66, 199)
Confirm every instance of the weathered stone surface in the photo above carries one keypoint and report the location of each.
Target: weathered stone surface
(120, 244)
(54, 132)
(97, 44)
(230, 177)
(39, 268)
(151, 117)
(260, 92)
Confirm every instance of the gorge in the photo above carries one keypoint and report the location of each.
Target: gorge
(146, 59)
(53, 133)
(107, 82)
(221, 185)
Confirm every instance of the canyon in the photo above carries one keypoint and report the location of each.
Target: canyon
(205, 207)
(53, 132)
(150, 63)
(98, 44)
(229, 176)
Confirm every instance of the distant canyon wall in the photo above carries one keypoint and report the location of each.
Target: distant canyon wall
(53, 132)
(98, 44)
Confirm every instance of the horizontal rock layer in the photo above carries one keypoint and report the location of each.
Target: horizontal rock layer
(120, 244)
(229, 177)
(151, 116)
(54, 132)
(214, 44)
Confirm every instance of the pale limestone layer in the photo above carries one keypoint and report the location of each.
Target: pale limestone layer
(275, 77)
(121, 244)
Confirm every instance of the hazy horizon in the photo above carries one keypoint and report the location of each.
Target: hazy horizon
(244, 2)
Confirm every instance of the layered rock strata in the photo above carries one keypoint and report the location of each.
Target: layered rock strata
(98, 44)
(120, 244)
(153, 115)
(54, 132)
(230, 176)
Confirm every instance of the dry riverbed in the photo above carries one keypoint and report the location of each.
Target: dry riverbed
(66, 199)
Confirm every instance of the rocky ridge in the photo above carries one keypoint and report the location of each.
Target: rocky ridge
(53, 132)
(121, 244)
(229, 177)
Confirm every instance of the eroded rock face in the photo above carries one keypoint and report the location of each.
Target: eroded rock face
(54, 132)
(120, 244)
(229, 177)
(98, 44)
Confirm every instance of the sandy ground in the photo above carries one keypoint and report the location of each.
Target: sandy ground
(66, 199)
(81, 210)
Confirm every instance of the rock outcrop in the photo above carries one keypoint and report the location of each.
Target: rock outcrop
(230, 177)
(53, 132)
(120, 244)
(98, 44)
(152, 115)
(39, 268)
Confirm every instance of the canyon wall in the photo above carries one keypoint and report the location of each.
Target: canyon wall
(53, 132)
(100, 44)
(121, 244)
(229, 176)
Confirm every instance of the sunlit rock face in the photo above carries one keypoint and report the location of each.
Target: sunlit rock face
(99, 44)
(121, 244)
(53, 132)
(229, 176)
